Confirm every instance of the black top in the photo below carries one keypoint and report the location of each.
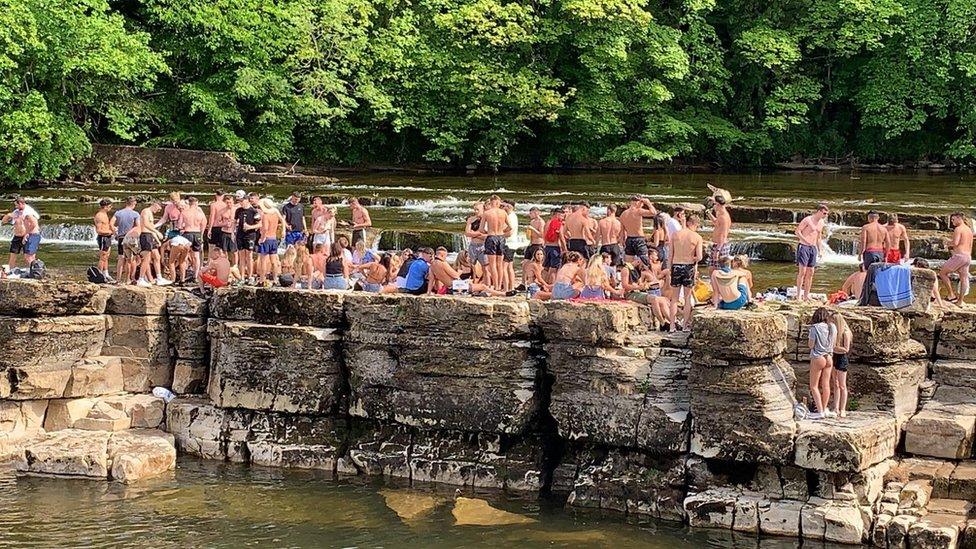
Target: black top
(476, 224)
(333, 266)
(405, 268)
(294, 215)
(247, 216)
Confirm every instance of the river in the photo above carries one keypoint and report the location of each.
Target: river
(212, 504)
(440, 203)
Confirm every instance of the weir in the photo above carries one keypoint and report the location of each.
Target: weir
(579, 402)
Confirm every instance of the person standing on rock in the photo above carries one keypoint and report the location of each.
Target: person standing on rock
(632, 221)
(122, 222)
(842, 347)
(810, 234)
(194, 226)
(609, 230)
(149, 242)
(214, 235)
(535, 232)
(272, 227)
(897, 233)
(511, 241)
(476, 238)
(577, 230)
(687, 250)
(103, 236)
(360, 220)
(228, 226)
(293, 214)
(494, 223)
(721, 247)
(962, 253)
(247, 219)
(554, 235)
(822, 336)
(874, 241)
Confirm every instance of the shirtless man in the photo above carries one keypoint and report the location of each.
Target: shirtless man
(104, 232)
(445, 275)
(554, 236)
(194, 225)
(536, 233)
(897, 233)
(578, 230)
(218, 272)
(874, 241)
(854, 284)
(609, 229)
(721, 247)
(687, 252)
(494, 224)
(962, 253)
(215, 236)
(360, 220)
(476, 238)
(228, 226)
(27, 232)
(272, 227)
(632, 221)
(810, 234)
(149, 241)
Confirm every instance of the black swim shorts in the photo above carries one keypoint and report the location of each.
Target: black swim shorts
(578, 245)
(147, 242)
(636, 246)
(495, 245)
(840, 362)
(682, 275)
(104, 242)
(196, 240)
(530, 251)
(616, 254)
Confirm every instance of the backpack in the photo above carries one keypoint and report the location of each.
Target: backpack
(37, 270)
(95, 276)
(552, 231)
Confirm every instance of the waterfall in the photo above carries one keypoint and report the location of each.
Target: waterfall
(830, 256)
(61, 233)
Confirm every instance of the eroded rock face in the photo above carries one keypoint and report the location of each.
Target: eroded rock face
(279, 306)
(881, 336)
(939, 433)
(29, 298)
(889, 387)
(275, 368)
(70, 453)
(140, 453)
(280, 440)
(588, 323)
(136, 301)
(139, 337)
(957, 338)
(720, 337)
(846, 445)
(50, 341)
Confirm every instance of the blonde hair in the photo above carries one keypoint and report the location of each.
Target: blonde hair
(462, 260)
(841, 323)
(288, 260)
(740, 262)
(595, 275)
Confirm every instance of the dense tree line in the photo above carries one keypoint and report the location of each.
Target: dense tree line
(527, 82)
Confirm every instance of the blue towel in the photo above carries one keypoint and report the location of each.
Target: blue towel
(894, 287)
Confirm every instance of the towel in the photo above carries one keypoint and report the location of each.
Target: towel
(894, 286)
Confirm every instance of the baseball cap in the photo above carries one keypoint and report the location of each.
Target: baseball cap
(240, 194)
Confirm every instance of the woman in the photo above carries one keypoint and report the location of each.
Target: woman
(462, 264)
(303, 264)
(318, 267)
(361, 259)
(640, 285)
(346, 252)
(568, 280)
(533, 274)
(336, 269)
(733, 293)
(821, 341)
(841, 347)
(595, 282)
(323, 228)
(376, 274)
(740, 263)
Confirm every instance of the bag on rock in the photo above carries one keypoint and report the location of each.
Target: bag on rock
(37, 270)
(95, 276)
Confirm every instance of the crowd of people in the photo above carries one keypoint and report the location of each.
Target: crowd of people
(633, 252)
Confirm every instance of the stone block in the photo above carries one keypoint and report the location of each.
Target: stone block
(936, 531)
(881, 336)
(588, 323)
(636, 483)
(29, 298)
(721, 336)
(104, 417)
(141, 375)
(140, 453)
(182, 302)
(936, 471)
(139, 336)
(898, 530)
(39, 381)
(962, 482)
(62, 414)
(95, 376)
(50, 341)
(301, 442)
(959, 507)
(69, 453)
(478, 461)
(712, 508)
(136, 301)
(284, 306)
(924, 327)
(957, 373)
(833, 521)
(940, 434)
(848, 445)
(188, 337)
(377, 449)
(189, 377)
(20, 419)
(885, 388)
(145, 411)
(781, 518)
(275, 368)
(201, 429)
(957, 338)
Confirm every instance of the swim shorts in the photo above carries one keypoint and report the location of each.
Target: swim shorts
(578, 245)
(495, 245)
(247, 240)
(840, 362)
(196, 240)
(554, 258)
(215, 236)
(530, 251)
(738, 303)
(636, 246)
(616, 254)
(16, 244)
(293, 237)
(682, 275)
(147, 242)
(212, 280)
(806, 255)
(872, 257)
(719, 251)
(268, 247)
(104, 242)
(31, 243)
(227, 243)
(509, 256)
(893, 256)
(476, 252)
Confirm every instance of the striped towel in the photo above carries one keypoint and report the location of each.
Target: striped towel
(894, 287)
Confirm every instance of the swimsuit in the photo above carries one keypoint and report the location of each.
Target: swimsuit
(495, 245)
(871, 256)
(616, 254)
(682, 274)
(578, 245)
(293, 236)
(147, 242)
(841, 362)
(893, 256)
(738, 303)
(268, 247)
(553, 259)
(719, 251)
(196, 240)
(592, 292)
(104, 242)
(636, 246)
(806, 255)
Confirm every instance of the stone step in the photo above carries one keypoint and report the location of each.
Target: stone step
(958, 373)
(91, 376)
(846, 445)
(111, 413)
(937, 432)
(124, 456)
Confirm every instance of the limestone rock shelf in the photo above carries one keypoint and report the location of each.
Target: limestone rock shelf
(575, 401)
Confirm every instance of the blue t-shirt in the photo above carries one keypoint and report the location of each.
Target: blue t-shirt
(125, 219)
(417, 275)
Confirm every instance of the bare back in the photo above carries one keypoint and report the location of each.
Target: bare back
(609, 229)
(687, 247)
(632, 221)
(443, 272)
(873, 236)
(270, 222)
(494, 222)
(963, 240)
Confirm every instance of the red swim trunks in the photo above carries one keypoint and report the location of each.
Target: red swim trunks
(212, 280)
(893, 256)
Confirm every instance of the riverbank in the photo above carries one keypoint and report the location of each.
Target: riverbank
(562, 400)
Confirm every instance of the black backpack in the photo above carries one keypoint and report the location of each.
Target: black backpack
(95, 276)
(37, 270)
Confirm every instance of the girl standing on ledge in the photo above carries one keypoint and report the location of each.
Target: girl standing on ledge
(841, 347)
(822, 337)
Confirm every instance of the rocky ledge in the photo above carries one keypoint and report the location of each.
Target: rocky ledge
(578, 402)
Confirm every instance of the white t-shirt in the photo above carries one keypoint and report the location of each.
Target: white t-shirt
(27, 211)
(179, 241)
(512, 241)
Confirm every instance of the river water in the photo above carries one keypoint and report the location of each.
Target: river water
(441, 203)
(211, 504)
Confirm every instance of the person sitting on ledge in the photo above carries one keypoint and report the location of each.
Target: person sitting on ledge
(533, 273)
(921, 263)
(217, 273)
(733, 292)
(444, 277)
(854, 284)
(596, 284)
(568, 281)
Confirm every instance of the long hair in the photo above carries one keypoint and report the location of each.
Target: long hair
(595, 275)
(335, 252)
(841, 323)
(821, 315)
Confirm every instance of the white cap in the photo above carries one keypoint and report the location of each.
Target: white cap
(240, 194)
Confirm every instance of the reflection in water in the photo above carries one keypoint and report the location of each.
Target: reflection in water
(224, 505)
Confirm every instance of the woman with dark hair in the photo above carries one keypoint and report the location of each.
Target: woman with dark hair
(376, 274)
(336, 269)
(821, 339)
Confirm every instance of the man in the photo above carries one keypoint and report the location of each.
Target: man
(554, 234)
(579, 230)
(810, 234)
(511, 241)
(294, 215)
(272, 226)
(418, 280)
(172, 215)
(360, 220)
(609, 230)
(149, 242)
(874, 241)
(443, 276)
(536, 230)
(25, 221)
(962, 253)
(247, 219)
(672, 224)
(854, 284)
(122, 222)
(687, 252)
(218, 272)
(897, 233)
(721, 247)
(215, 236)
(194, 225)
(494, 224)
(227, 228)
(476, 238)
(103, 236)
(632, 221)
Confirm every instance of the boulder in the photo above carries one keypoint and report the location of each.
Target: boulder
(95, 376)
(29, 298)
(275, 368)
(587, 323)
(50, 341)
(140, 453)
(279, 306)
(62, 414)
(847, 445)
(144, 411)
(957, 338)
(136, 301)
(301, 442)
(936, 433)
(724, 336)
(69, 453)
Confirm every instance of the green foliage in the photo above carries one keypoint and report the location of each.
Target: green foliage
(535, 82)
